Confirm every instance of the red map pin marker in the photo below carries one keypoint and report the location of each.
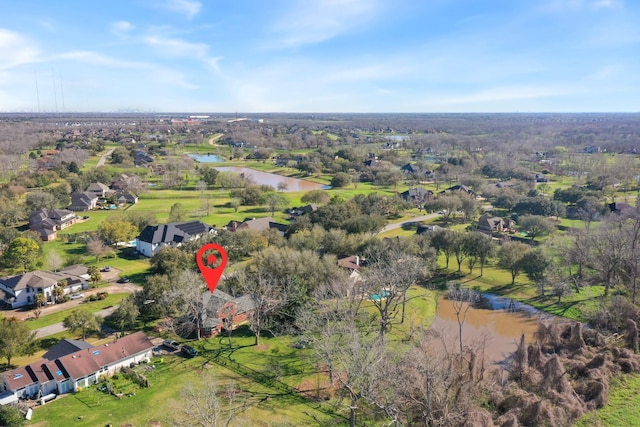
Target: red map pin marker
(211, 259)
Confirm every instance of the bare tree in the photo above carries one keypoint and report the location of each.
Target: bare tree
(387, 279)
(203, 404)
(98, 249)
(54, 261)
(187, 299)
(268, 295)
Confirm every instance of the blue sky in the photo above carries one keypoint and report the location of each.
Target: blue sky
(320, 55)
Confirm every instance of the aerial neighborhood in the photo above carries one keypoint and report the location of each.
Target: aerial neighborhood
(368, 260)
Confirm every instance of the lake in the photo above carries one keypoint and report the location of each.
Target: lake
(206, 158)
(260, 178)
(499, 321)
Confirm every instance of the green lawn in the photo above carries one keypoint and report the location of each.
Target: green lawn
(622, 409)
(272, 370)
(50, 319)
(498, 281)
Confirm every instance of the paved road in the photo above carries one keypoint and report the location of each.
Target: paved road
(103, 159)
(397, 225)
(58, 327)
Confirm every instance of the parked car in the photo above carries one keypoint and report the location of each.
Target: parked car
(123, 280)
(189, 351)
(171, 344)
(107, 268)
(77, 296)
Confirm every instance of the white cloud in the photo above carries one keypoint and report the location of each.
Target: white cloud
(16, 50)
(568, 5)
(189, 8)
(177, 48)
(121, 28)
(100, 59)
(316, 21)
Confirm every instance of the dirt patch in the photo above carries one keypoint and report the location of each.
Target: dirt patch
(317, 389)
(153, 423)
(262, 347)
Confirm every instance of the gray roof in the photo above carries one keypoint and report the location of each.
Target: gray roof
(64, 347)
(173, 232)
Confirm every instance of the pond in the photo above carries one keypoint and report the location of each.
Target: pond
(260, 177)
(496, 321)
(206, 158)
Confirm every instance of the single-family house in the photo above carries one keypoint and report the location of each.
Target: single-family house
(417, 196)
(141, 158)
(223, 310)
(296, 212)
(124, 197)
(48, 222)
(459, 189)
(257, 224)
(154, 237)
(353, 264)
(71, 371)
(99, 189)
(20, 290)
(84, 201)
(489, 224)
(123, 182)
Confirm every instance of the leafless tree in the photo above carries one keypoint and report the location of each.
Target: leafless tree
(203, 404)
(268, 295)
(186, 296)
(98, 249)
(386, 281)
(54, 260)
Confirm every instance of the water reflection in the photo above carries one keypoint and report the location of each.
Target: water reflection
(498, 330)
(260, 177)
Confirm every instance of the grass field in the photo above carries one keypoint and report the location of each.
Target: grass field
(248, 367)
(270, 377)
(622, 409)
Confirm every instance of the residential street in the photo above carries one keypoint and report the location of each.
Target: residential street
(397, 225)
(112, 288)
(58, 327)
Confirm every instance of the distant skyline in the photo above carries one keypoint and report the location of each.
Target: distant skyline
(320, 56)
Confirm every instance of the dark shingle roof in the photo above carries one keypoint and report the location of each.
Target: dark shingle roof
(175, 232)
(65, 347)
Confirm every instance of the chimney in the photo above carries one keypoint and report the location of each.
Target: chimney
(357, 260)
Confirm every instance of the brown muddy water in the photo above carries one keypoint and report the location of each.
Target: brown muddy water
(260, 177)
(497, 328)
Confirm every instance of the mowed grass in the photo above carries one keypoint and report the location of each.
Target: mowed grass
(270, 396)
(496, 281)
(278, 381)
(91, 306)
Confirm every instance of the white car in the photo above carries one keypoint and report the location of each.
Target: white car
(77, 296)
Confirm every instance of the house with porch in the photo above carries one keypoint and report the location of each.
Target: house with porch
(71, 371)
(21, 290)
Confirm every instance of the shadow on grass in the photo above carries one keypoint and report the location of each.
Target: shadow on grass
(223, 356)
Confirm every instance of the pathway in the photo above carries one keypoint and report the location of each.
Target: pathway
(397, 225)
(103, 159)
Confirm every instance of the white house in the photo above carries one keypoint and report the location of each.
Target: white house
(20, 290)
(154, 237)
(78, 369)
